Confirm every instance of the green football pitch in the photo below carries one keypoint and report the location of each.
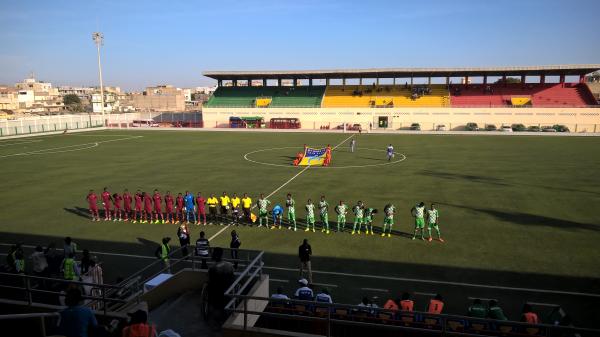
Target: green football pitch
(515, 211)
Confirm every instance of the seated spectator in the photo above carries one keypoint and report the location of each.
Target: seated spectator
(304, 292)
(138, 326)
(367, 304)
(39, 262)
(280, 295)
(20, 262)
(69, 247)
(436, 305)
(406, 304)
(76, 320)
(529, 316)
(69, 268)
(477, 309)
(324, 296)
(391, 305)
(495, 312)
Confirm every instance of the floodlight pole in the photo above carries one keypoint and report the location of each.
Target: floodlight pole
(98, 40)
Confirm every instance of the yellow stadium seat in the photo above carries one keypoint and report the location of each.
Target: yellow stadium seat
(383, 96)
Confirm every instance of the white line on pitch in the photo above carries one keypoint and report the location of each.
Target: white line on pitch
(20, 143)
(42, 151)
(278, 280)
(376, 289)
(219, 232)
(326, 285)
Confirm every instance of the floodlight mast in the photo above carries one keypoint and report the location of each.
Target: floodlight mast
(99, 41)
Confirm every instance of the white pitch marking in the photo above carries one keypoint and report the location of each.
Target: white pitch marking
(59, 149)
(219, 232)
(376, 289)
(20, 143)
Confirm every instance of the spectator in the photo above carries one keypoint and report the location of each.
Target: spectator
(495, 312)
(220, 277)
(138, 326)
(54, 259)
(184, 239)
(39, 262)
(69, 247)
(366, 303)
(76, 320)
(528, 315)
(235, 245)
(304, 252)
(436, 305)
(477, 309)
(279, 295)
(391, 304)
(324, 296)
(304, 292)
(19, 261)
(85, 261)
(96, 277)
(11, 257)
(406, 304)
(69, 268)
(202, 247)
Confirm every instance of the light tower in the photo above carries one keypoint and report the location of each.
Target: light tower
(99, 41)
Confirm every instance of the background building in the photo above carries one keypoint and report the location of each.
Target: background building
(160, 98)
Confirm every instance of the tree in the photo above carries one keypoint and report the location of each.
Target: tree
(594, 77)
(71, 100)
(510, 80)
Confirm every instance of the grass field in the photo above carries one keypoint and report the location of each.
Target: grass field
(515, 211)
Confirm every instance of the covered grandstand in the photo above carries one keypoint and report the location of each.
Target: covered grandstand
(531, 95)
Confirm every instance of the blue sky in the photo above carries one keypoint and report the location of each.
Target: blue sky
(172, 42)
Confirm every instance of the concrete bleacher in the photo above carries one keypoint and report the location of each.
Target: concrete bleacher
(542, 95)
(284, 96)
(383, 96)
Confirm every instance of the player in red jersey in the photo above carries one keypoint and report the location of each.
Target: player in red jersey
(169, 202)
(117, 198)
(92, 201)
(200, 202)
(106, 202)
(147, 214)
(157, 207)
(127, 204)
(139, 203)
(179, 208)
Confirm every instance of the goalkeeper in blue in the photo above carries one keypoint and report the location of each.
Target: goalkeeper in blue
(277, 216)
(388, 221)
(324, 213)
(432, 219)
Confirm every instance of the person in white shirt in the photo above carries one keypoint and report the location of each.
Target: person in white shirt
(279, 295)
(304, 292)
(39, 262)
(324, 296)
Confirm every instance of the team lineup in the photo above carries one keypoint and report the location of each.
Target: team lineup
(145, 208)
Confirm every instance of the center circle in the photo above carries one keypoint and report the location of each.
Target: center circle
(247, 156)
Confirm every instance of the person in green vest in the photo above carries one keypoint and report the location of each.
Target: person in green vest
(477, 309)
(495, 312)
(70, 268)
(162, 252)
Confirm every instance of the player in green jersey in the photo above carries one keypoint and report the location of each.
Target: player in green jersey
(310, 215)
(263, 213)
(358, 210)
(324, 214)
(291, 209)
(341, 211)
(433, 217)
(418, 212)
(388, 221)
(369, 215)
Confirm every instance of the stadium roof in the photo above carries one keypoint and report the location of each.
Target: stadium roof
(548, 70)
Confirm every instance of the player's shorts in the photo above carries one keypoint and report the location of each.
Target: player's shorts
(106, 205)
(310, 219)
(148, 209)
(359, 220)
(419, 223)
(201, 211)
(93, 207)
(138, 209)
(324, 215)
(368, 219)
(388, 221)
(433, 225)
(127, 208)
(341, 218)
(169, 209)
(262, 213)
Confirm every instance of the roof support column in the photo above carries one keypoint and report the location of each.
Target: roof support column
(429, 80)
(394, 81)
(562, 80)
(343, 81)
(542, 79)
(295, 82)
(377, 81)
(523, 79)
(326, 81)
(234, 83)
(264, 82)
(310, 83)
(249, 82)
(504, 79)
(411, 81)
(360, 81)
(219, 83)
(279, 82)
(447, 80)
(484, 79)
(467, 82)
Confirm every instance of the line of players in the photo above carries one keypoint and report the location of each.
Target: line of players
(148, 208)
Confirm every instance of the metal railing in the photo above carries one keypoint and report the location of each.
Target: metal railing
(41, 316)
(369, 317)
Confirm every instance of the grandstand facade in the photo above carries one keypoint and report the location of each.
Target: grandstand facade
(452, 97)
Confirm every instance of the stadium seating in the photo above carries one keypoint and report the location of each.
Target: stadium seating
(539, 95)
(248, 97)
(383, 96)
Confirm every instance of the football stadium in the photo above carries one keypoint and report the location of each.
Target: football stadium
(414, 201)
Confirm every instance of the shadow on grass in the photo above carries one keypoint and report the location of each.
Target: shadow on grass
(79, 211)
(530, 219)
